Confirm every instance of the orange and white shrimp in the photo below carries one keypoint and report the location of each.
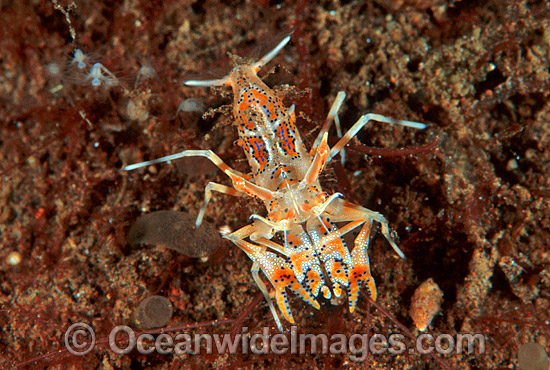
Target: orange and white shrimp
(312, 256)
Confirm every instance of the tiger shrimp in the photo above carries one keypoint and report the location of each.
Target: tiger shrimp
(312, 256)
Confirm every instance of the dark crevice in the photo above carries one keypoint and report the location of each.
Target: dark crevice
(198, 7)
(492, 80)
(414, 64)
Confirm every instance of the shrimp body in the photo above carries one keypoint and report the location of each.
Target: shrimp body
(267, 132)
(300, 244)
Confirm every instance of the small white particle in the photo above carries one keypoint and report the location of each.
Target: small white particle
(512, 164)
(14, 258)
(224, 230)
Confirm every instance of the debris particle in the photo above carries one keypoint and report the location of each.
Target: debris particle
(154, 312)
(533, 357)
(425, 304)
(176, 230)
(191, 105)
(14, 258)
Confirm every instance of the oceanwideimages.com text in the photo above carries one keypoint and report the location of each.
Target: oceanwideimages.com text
(80, 340)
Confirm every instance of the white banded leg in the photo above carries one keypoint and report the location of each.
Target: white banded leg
(331, 116)
(213, 186)
(238, 179)
(361, 122)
